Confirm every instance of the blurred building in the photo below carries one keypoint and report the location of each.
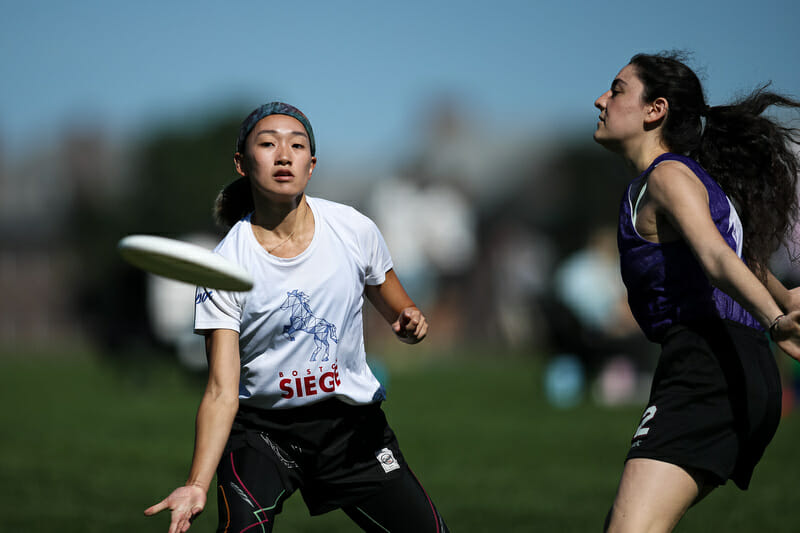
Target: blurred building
(40, 193)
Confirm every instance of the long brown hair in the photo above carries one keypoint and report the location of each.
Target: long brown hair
(748, 154)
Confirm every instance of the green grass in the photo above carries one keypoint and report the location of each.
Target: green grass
(86, 446)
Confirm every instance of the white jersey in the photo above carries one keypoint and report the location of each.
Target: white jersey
(301, 335)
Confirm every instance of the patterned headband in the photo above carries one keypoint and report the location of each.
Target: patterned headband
(274, 108)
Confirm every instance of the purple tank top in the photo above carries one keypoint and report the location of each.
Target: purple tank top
(666, 284)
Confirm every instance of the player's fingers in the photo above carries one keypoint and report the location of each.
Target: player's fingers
(183, 521)
(157, 508)
(413, 315)
(403, 318)
(191, 515)
(422, 330)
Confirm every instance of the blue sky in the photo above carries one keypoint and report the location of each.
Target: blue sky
(363, 71)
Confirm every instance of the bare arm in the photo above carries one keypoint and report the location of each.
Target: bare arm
(212, 427)
(787, 299)
(394, 304)
(682, 199)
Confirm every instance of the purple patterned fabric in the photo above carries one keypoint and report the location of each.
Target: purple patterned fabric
(666, 284)
(274, 108)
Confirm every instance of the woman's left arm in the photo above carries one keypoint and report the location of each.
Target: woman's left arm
(396, 306)
(787, 299)
(680, 196)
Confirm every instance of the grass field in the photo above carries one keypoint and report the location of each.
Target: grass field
(87, 445)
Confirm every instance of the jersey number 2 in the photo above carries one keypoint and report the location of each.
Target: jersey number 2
(648, 415)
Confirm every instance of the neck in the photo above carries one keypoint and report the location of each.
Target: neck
(280, 218)
(284, 232)
(641, 156)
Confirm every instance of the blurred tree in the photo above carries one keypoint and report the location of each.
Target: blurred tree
(179, 175)
(578, 187)
(595, 184)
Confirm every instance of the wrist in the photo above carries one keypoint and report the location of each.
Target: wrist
(773, 327)
(197, 483)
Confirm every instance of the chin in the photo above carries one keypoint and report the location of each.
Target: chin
(599, 138)
(608, 144)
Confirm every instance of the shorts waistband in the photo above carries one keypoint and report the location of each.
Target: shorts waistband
(708, 326)
(325, 409)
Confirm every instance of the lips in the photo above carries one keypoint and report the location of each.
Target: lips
(283, 174)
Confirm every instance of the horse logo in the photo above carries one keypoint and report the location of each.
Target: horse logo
(302, 319)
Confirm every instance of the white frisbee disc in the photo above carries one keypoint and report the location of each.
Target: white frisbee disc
(183, 261)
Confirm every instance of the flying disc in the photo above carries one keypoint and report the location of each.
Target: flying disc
(184, 261)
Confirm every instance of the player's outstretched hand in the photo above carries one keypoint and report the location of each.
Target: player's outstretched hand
(411, 326)
(786, 334)
(186, 503)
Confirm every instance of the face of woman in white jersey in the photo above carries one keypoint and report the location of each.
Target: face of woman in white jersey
(277, 157)
(623, 112)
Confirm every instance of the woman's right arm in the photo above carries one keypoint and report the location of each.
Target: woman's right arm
(214, 420)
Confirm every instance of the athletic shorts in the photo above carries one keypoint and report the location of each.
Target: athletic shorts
(337, 455)
(715, 402)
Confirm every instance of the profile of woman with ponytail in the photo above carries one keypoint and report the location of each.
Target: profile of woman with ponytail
(714, 196)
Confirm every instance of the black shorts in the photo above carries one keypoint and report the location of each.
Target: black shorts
(715, 402)
(337, 455)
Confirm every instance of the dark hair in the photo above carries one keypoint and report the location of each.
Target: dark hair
(233, 203)
(748, 154)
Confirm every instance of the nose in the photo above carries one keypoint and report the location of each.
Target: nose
(600, 103)
(282, 155)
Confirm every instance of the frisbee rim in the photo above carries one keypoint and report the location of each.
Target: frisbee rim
(183, 261)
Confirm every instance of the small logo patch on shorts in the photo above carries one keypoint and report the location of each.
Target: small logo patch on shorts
(386, 458)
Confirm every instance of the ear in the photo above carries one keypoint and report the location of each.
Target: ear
(312, 166)
(657, 110)
(238, 163)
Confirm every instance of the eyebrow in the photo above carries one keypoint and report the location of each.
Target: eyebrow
(276, 132)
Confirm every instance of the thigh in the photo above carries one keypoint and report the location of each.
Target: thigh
(399, 506)
(251, 489)
(653, 496)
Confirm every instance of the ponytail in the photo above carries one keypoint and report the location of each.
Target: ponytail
(233, 203)
(754, 160)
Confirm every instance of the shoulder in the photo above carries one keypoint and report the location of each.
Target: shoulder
(673, 178)
(231, 244)
(339, 214)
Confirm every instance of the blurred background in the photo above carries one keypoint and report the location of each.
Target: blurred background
(462, 128)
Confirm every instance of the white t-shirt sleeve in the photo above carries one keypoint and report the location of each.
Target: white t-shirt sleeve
(376, 253)
(216, 310)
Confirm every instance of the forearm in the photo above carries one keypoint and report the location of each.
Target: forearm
(389, 298)
(392, 301)
(788, 300)
(214, 420)
(733, 277)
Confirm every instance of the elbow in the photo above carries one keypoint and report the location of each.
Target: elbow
(227, 400)
(717, 270)
(232, 403)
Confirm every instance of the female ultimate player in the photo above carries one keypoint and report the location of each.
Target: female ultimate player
(290, 402)
(715, 193)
